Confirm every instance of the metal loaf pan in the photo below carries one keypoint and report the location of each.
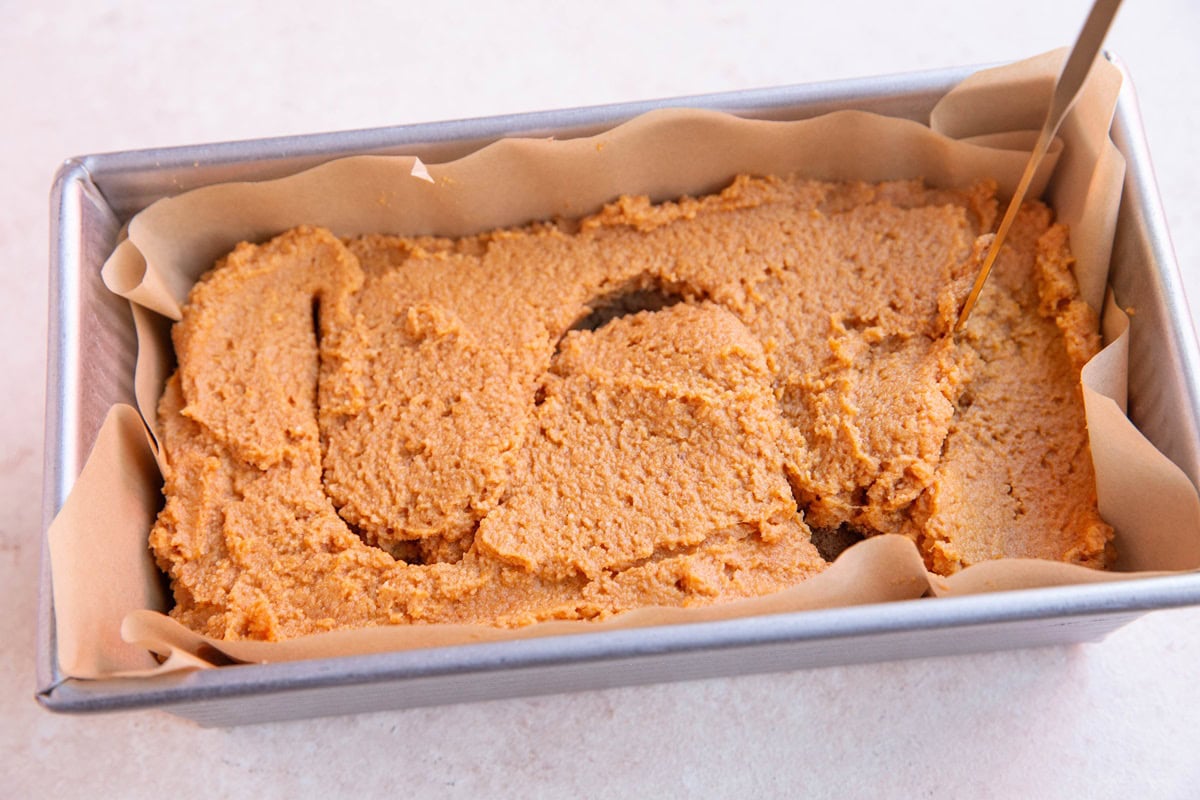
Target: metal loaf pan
(91, 363)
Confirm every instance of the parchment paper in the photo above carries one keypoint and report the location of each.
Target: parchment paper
(107, 593)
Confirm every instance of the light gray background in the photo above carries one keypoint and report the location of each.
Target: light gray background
(1109, 720)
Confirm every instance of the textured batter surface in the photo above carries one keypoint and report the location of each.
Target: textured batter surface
(1016, 478)
(648, 406)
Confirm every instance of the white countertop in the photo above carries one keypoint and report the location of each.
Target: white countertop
(1114, 719)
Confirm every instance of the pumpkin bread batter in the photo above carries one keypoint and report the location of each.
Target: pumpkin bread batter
(649, 406)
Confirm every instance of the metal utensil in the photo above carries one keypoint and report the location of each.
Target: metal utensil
(1066, 90)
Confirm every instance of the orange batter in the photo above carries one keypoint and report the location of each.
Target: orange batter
(648, 406)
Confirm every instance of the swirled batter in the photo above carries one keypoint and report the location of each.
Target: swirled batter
(655, 405)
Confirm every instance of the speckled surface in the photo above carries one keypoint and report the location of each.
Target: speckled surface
(1114, 719)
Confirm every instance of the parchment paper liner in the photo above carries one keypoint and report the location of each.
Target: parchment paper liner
(107, 592)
